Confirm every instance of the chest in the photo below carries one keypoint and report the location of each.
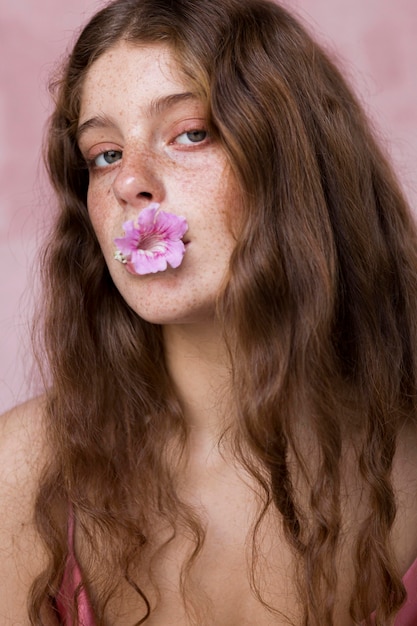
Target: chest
(234, 571)
(239, 575)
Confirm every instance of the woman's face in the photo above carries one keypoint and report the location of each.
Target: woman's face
(145, 136)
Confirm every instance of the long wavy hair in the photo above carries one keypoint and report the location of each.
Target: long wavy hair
(320, 307)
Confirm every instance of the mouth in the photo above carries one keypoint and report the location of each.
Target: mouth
(152, 242)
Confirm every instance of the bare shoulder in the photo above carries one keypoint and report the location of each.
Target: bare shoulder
(22, 451)
(22, 458)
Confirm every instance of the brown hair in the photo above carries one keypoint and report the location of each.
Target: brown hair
(319, 305)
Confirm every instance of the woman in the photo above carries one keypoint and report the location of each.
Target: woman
(229, 430)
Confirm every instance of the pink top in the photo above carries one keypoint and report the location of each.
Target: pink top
(72, 585)
(407, 615)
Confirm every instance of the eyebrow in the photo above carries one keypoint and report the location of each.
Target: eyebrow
(157, 106)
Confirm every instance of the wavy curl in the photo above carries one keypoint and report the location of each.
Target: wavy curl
(319, 305)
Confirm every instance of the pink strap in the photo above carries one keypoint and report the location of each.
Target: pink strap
(407, 615)
(72, 587)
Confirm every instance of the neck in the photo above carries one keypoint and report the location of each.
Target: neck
(198, 364)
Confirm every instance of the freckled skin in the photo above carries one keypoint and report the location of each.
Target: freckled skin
(194, 181)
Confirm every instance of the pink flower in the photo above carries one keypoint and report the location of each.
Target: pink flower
(153, 242)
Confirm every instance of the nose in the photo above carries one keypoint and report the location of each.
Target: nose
(138, 182)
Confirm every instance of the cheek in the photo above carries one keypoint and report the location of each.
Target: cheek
(225, 224)
(99, 213)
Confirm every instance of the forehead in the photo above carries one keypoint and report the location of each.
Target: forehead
(131, 74)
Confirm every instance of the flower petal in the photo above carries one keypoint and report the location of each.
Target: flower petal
(153, 243)
(144, 262)
(146, 218)
(172, 226)
(175, 251)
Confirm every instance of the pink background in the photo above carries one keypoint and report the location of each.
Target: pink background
(375, 40)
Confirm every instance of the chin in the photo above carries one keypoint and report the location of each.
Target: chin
(174, 316)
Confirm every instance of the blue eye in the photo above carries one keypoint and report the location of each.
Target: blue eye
(107, 158)
(192, 137)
